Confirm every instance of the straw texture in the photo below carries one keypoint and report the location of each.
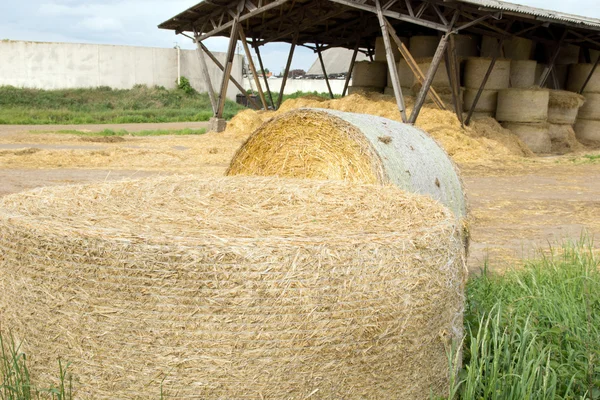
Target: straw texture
(591, 108)
(522, 105)
(234, 288)
(563, 106)
(372, 74)
(578, 73)
(535, 135)
(522, 73)
(423, 46)
(587, 131)
(476, 68)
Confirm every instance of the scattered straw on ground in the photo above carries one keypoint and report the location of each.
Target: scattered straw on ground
(233, 288)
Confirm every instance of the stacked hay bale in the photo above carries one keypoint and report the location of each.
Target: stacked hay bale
(233, 288)
(423, 46)
(330, 144)
(525, 113)
(522, 73)
(587, 126)
(368, 77)
(475, 70)
(380, 53)
(515, 48)
(406, 77)
(563, 108)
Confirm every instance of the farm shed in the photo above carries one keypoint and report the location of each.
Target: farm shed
(500, 30)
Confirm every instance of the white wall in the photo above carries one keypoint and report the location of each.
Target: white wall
(304, 85)
(70, 65)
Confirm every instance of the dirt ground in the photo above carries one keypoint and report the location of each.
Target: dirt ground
(517, 208)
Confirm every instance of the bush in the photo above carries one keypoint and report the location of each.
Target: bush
(186, 86)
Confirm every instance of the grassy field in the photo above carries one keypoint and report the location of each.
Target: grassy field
(532, 333)
(123, 132)
(105, 105)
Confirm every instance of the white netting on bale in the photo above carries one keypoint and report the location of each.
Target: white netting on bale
(476, 68)
(536, 135)
(522, 105)
(563, 106)
(369, 74)
(591, 108)
(522, 73)
(578, 73)
(233, 288)
(587, 130)
(487, 102)
(423, 46)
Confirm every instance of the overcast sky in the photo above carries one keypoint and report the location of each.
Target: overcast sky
(134, 22)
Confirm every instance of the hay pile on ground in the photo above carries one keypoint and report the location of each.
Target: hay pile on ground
(233, 288)
(464, 145)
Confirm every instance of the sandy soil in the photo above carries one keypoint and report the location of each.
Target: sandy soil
(517, 207)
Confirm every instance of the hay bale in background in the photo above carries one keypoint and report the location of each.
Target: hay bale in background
(535, 135)
(587, 130)
(568, 54)
(522, 73)
(563, 139)
(367, 73)
(591, 107)
(405, 75)
(522, 105)
(517, 48)
(466, 45)
(578, 73)
(423, 46)
(380, 54)
(364, 89)
(476, 68)
(233, 288)
(440, 79)
(487, 103)
(406, 91)
(563, 106)
(329, 144)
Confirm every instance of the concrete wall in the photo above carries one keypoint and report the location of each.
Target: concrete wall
(70, 65)
(304, 85)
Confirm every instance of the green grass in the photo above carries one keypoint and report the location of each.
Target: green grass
(531, 333)
(534, 333)
(123, 132)
(104, 105)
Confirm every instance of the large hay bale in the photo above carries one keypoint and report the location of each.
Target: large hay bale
(364, 89)
(476, 68)
(440, 79)
(591, 108)
(466, 45)
(487, 101)
(366, 73)
(535, 135)
(563, 106)
(587, 130)
(380, 54)
(423, 46)
(522, 73)
(522, 105)
(405, 75)
(517, 48)
(578, 73)
(330, 144)
(563, 139)
(233, 288)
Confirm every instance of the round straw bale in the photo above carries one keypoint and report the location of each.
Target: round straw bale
(517, 48)
(466, 45)
(587, 130)
(487, 101)
(563, 139)
(591, 108)
(380, 54)
(367, 73)
(522, 73)
(234, 288)
(331, 144)
(440, 79)
(522, 105)
(364, 89)
(423, 46)
(405, 75)
(578, 73)
(535, 136)
(476, 68)
(559, 132)
(489, 46)
(563, 106)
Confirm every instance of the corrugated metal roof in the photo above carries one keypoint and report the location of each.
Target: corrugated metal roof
(540, 13)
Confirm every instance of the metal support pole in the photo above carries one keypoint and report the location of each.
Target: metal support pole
(351, 67)
(228, 66)
(435, 63)
(484, 81)
(262, 68)
(205, 75)
(251, 65)
(222, 68)
(287, 69)
(587, 80)
(550, 66)
(391, 61)
(324, 71)
(452, 67)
